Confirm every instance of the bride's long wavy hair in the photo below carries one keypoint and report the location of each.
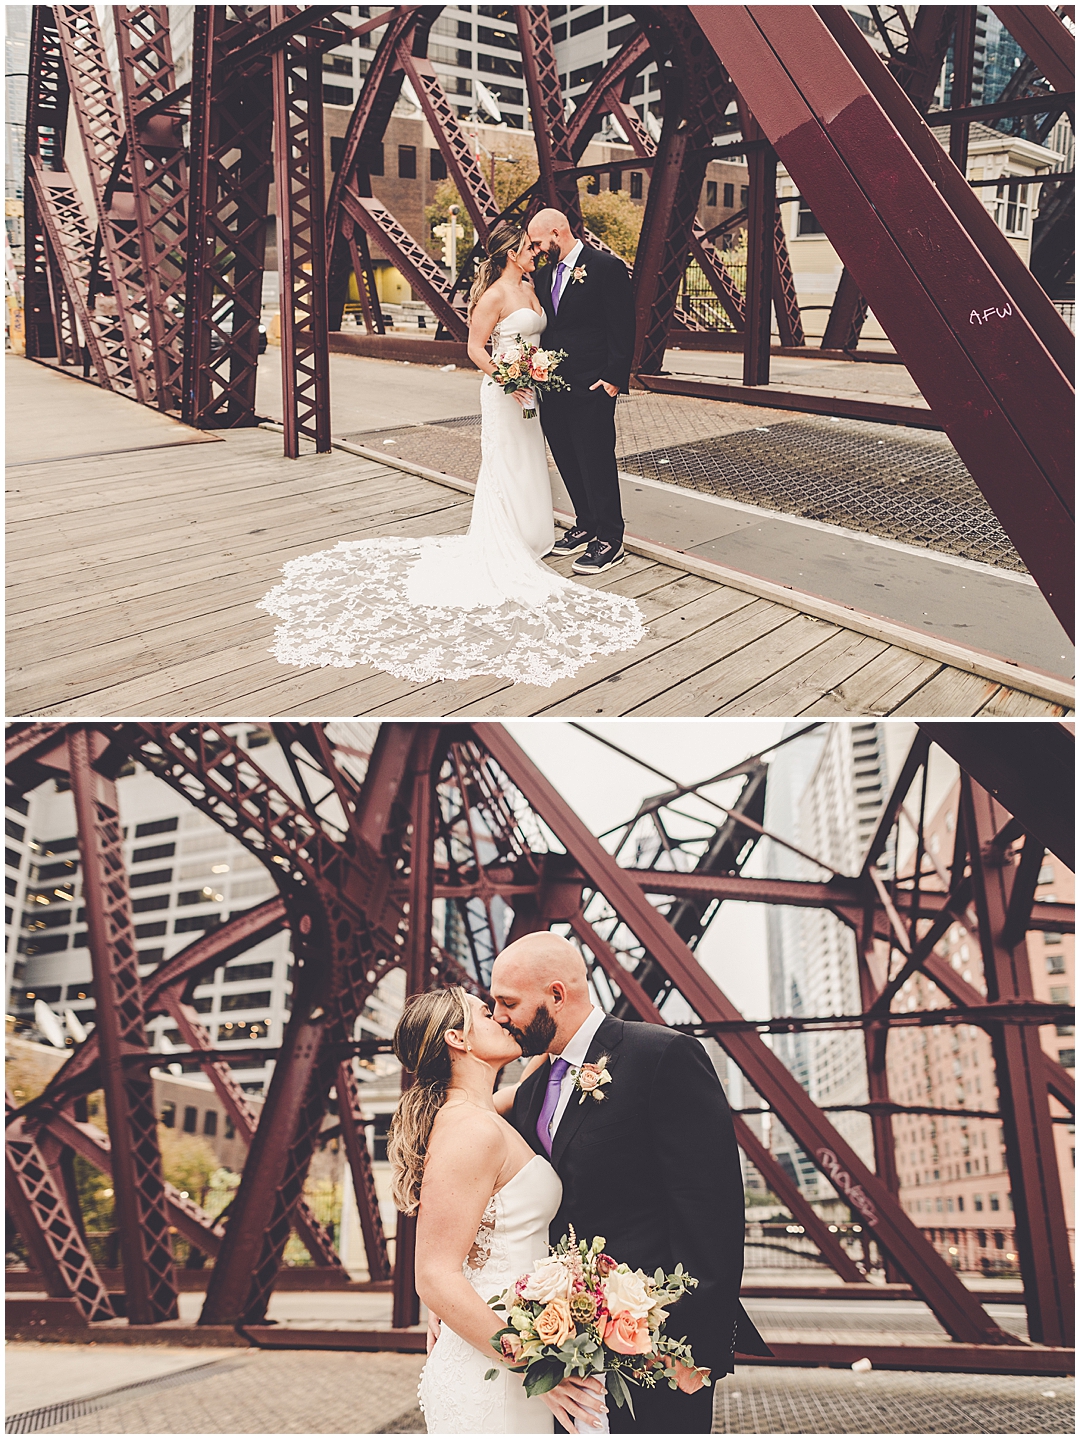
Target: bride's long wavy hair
(505, 240)
(420, 1044)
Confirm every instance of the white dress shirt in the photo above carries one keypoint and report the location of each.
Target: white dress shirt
(571, 259)
(574, 1053)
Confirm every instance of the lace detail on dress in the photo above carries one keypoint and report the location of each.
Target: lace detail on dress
(351, 605)
(466, 605)
(480, 1252)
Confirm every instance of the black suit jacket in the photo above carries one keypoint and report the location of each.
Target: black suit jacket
(654, 1168)
(595, 320)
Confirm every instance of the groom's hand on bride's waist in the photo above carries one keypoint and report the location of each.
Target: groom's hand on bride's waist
(434, 1328)
(612, 390)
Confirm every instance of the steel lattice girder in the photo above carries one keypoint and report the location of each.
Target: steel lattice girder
(157, 167)
(1003, 401)
(105, 148)
(301, 239)
(53, 1235)
(136, 1161)
(489, 816)
(230, 173)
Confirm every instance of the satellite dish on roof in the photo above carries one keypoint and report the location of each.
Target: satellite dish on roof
(617, 130)
(49, 1025)
(487, 101)
(74, 1026)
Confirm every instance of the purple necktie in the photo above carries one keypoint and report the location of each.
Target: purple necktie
(551, 1102)
(556, 289)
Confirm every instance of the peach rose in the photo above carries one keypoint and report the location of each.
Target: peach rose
(689, 1380)
(540, 374)
(553, 1324)
(627, 1335)
(588, 1077)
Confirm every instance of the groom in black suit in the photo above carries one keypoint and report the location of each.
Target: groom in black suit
(653, 1167)
(589, 305)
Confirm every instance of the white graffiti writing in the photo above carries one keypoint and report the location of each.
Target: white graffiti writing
(855, 1195)
(983, 317)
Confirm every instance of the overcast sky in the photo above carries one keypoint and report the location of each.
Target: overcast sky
(605, 789)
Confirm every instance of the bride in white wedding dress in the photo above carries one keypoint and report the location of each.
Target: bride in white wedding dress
(476, 604)
(483, 1202)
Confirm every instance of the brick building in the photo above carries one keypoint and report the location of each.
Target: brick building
(952, 1172)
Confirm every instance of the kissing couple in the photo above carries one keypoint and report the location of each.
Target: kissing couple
(483, 604)
(494, 1176)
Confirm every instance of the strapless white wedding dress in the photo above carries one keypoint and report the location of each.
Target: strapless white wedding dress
(452, 608)
(513, 1235)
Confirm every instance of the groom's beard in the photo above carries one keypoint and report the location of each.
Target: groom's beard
(537, 1034)
(554, 255)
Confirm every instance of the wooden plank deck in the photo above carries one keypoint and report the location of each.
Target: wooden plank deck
(133, 578)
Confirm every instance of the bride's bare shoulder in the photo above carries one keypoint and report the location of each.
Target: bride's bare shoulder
(458, 1125)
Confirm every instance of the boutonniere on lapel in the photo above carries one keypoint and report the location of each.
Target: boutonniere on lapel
(578, 274)
(589, 1079)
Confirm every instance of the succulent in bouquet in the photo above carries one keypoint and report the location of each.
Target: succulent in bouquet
(580, 1312)
(528, 367)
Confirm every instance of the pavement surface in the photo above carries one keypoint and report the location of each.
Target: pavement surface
(320, 1392)
(799, 500)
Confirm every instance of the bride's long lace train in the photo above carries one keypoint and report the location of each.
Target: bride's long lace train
(463, 606)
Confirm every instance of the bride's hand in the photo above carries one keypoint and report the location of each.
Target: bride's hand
(526, 399)
(574, 1399)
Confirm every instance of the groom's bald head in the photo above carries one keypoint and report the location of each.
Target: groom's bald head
(549, 230)
(541, 990)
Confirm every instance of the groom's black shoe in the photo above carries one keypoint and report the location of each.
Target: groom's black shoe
(601, 555)
(572, 543)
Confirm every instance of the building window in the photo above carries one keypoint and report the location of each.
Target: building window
(587, 22)
(338, 64)
(257, 999)
(191, 1119)
(1055, 964)
(1011, 209)
(504, 39)
(153, 851)
(337, 95)
(152, 876)
(337, 152)
(808, 221)
(436, 165)
(209, 1123)
(148, 902)
(168, 1116)
(729, 197)
(262, 970)
(406, 162)
(586, 75)
(153, 930)
(193, 921)
(635, 184)
(710, 192)
(978, 1202)
(498, 65)
(995, 1203)
(615, 180)
(744, 196)
(617, 38)
(1067, 1058)
(371, 158)
(155, 826)
(81, 991)
(230, 1127)
(558, 34)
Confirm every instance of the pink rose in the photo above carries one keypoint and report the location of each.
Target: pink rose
(511, 1347)
(689, 1380)
(588, 1077)
(605, 1264)
(627, 1335)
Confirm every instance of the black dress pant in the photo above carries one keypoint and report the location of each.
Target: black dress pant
(579, 426)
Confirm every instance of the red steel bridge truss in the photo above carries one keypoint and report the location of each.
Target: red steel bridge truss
(155, 290)
(361, 847)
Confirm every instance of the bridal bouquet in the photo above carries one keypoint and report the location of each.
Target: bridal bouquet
(528, 367)
(580, 1312)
